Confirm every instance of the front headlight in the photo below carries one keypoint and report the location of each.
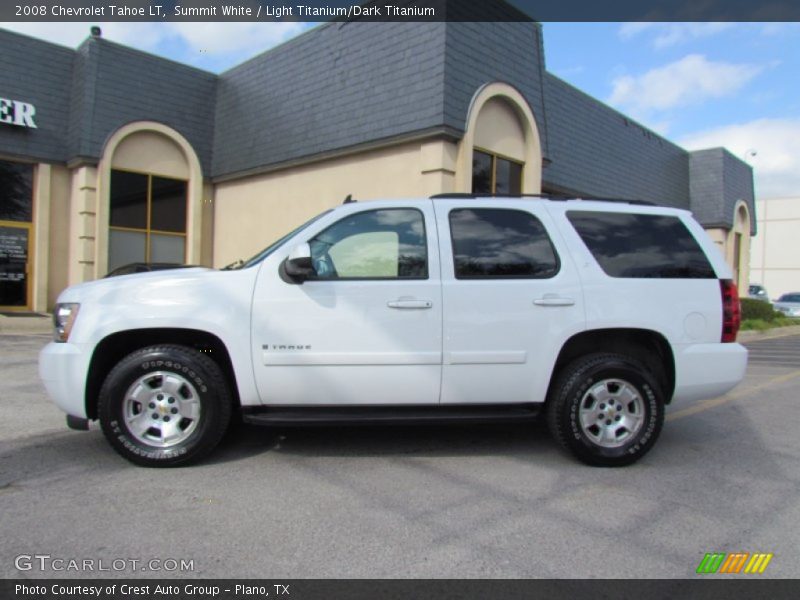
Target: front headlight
(63, 319)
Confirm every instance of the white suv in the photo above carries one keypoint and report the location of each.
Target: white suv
(452, 308)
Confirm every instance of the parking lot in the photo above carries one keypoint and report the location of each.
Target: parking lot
(455, 502)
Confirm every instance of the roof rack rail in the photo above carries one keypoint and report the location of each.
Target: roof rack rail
(469, 195)
(556, 196)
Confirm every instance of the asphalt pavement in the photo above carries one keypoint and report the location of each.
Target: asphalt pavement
(408, 502)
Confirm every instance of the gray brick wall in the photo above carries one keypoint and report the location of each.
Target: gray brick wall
(596, 150)
(480, 53)
(336, 86)
(341, 85)
(81, 101)
(718, 181)
(41, 74)
(130, 86)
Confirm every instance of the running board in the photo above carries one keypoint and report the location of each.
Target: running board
(390, 415)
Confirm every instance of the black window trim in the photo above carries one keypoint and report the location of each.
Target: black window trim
(314, 278)
(504, 277)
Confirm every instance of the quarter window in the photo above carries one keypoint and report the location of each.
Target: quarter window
(636, 246)
(500, 244)
(376, 244)
(148, 219)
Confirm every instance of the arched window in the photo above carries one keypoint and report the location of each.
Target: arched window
(500, 152)
(152, 180)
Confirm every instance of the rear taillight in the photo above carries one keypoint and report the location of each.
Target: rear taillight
(731, 310)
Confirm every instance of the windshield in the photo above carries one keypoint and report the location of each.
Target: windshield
(790, 298)
(275, 245)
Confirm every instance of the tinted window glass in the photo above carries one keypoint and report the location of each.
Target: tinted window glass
(16, 191)
(13, 262)
(508, 177)
(497, 243)
(168, 212)
(653, 246)
(481, 173)
(128, 200)
(378, 244)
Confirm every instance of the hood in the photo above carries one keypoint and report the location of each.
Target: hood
(173, 286)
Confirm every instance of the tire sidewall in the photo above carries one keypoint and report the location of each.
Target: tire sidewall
(137, 365)
(653, 409)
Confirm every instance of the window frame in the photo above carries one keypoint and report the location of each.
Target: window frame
(456, 276)
(494, 157)
(427, 275)
(149, 200)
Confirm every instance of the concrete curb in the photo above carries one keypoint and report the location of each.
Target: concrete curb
(26, 325)
(779, 332)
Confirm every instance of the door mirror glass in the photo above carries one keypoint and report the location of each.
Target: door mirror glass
(298, 263)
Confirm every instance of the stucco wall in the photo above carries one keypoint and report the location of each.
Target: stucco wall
(774, 255)
(251, 213)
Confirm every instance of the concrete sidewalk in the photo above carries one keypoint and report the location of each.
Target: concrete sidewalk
(27, 324)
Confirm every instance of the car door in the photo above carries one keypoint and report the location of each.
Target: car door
(511, 298)
(366, 328)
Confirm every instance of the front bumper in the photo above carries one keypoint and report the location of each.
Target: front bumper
(63, 369)
(707, 370)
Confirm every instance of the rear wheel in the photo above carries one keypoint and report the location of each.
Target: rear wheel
(606, 409)
(164, 406)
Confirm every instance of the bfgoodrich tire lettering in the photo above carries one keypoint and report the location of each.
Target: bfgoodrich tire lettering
(164, 406)
(606, 409)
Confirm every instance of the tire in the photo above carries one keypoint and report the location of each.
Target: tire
(606, 409)
(164, 406)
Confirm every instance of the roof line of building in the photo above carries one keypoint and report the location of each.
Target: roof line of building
(439, 132)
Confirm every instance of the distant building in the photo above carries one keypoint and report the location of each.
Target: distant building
(775, 250)
(109, 155)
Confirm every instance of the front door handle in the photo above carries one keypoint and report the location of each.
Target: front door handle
(554, 300)
(418, 304)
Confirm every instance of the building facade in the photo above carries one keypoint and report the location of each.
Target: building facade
(774, 259)
(109, 155)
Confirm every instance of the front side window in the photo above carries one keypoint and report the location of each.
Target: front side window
(490, 243)
(636, 246)
(493, 174)
(377, 244)
(148, 219)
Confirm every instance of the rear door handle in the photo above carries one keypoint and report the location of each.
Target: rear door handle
(418, 304)
(554, 300)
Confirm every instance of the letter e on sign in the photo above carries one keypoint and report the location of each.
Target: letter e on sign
(6, 115)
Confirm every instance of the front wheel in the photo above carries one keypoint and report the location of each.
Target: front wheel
(606, 409)
(164, 406)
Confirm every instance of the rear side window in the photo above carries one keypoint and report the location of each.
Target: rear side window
(490, 243)
(652, 246)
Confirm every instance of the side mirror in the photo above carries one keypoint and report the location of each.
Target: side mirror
(298, 264)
